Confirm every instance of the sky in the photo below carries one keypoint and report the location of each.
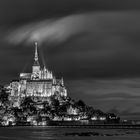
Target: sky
(93, 44)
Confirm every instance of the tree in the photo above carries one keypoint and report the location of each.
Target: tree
(54, 102)
(28, 106)
(80, 103)
(27, 102)
(3, 96)
(62, 109)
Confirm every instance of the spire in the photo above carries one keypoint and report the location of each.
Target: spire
(36, 53)
(36, 63)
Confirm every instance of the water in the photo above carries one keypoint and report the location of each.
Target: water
(51, 133)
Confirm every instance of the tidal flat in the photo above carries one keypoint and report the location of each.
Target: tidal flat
(52, 133)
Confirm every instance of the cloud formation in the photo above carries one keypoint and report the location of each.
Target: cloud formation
(52, 30)
(114, 27)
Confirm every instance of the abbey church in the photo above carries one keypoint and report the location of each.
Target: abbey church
(39, 83)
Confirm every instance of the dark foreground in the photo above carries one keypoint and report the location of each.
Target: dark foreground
(63, 133)
(82, 124)
(97, 126)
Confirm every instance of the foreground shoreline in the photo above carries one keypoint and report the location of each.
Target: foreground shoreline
(99, 126)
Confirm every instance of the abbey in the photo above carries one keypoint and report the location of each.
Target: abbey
(39, 83)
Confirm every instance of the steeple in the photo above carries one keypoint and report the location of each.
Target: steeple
(36, 63)
(36, 53)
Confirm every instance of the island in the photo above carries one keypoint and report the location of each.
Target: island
(40, 99)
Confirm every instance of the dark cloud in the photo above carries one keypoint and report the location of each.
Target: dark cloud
(17, 12)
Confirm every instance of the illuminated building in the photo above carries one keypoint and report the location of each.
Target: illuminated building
(72, 110)
(39, 83)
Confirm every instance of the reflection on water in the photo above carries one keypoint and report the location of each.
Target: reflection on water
(51, 133)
